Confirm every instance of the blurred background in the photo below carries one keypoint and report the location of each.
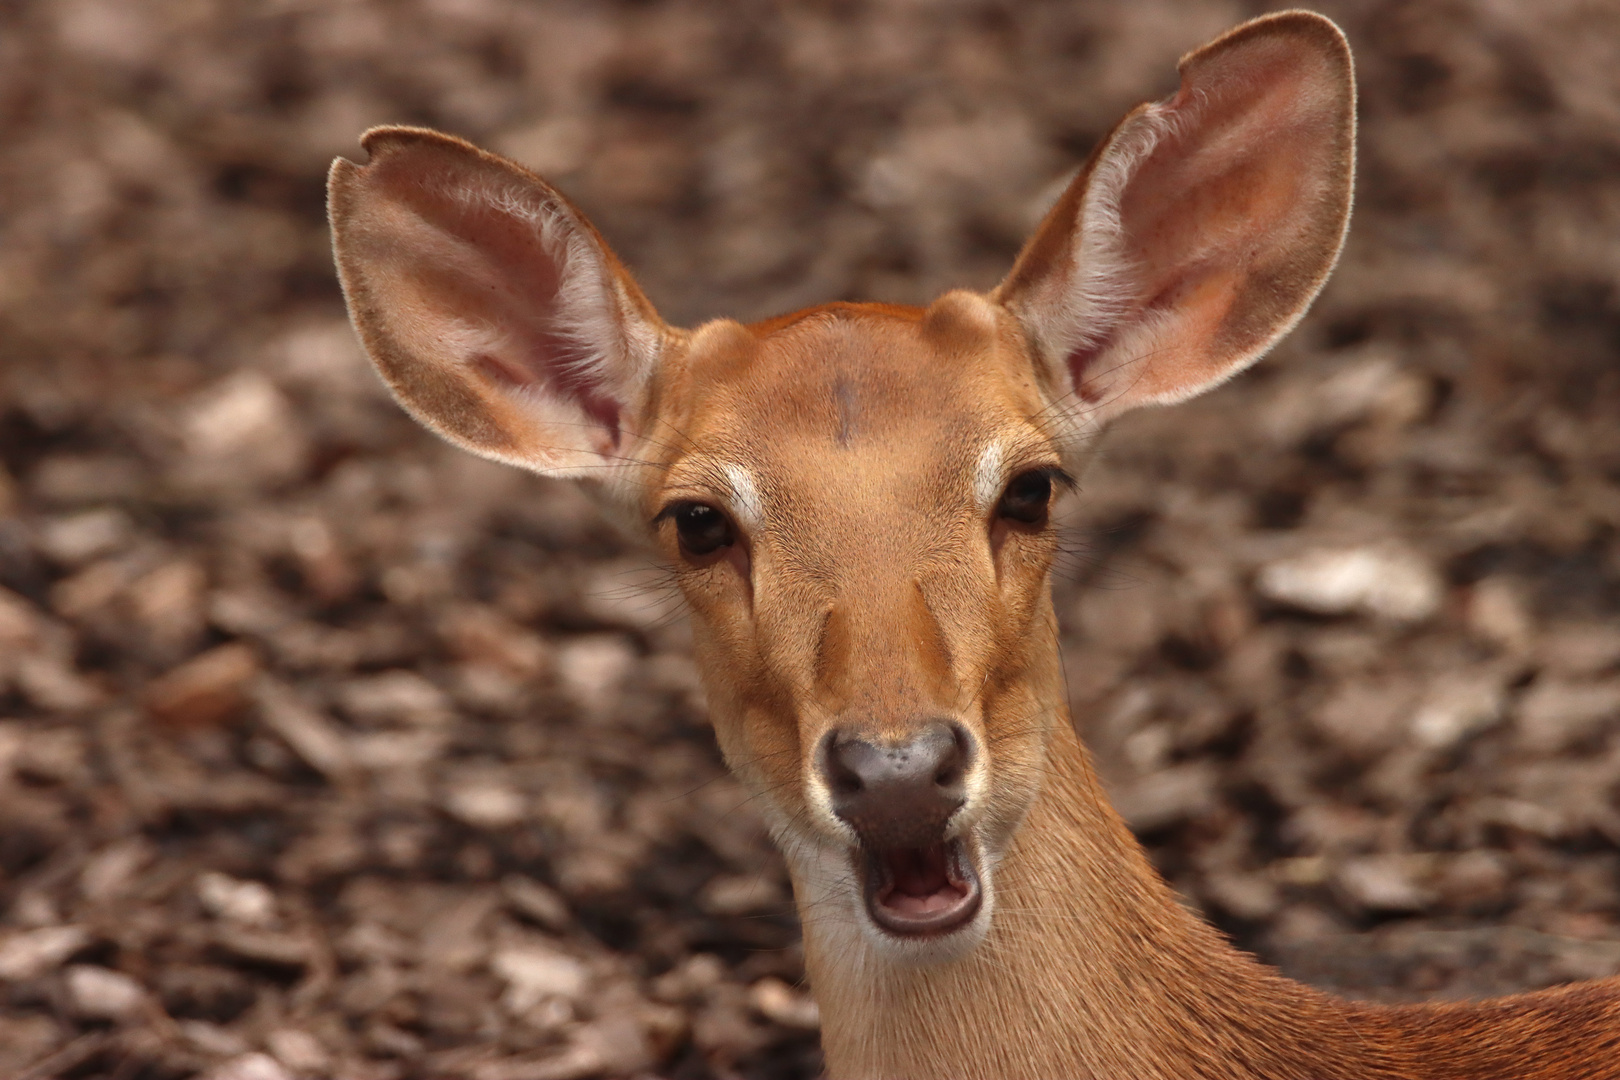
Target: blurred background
(328, 751)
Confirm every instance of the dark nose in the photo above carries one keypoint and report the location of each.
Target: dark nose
(897, 795)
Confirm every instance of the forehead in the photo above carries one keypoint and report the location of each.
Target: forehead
(862, 390)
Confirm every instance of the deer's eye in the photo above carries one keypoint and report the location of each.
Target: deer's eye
(1028, 497)
(701, 529)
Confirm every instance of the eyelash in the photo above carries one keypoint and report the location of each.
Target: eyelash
(1039, 498)
(701, 529)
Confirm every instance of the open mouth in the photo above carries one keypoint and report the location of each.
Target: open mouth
(921, 892)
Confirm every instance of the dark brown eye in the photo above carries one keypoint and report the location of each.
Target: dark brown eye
(1027, 497)
(701, 529)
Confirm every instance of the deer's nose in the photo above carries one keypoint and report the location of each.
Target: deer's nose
(899, 794)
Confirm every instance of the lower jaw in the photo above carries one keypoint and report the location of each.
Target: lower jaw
(921, 895)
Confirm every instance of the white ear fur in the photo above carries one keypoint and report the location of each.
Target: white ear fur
(1202, 227)
(490, 306)
(1080, 309)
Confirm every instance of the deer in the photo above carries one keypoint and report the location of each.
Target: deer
(857, 501)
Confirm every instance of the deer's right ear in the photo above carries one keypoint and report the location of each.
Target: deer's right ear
(490, 306)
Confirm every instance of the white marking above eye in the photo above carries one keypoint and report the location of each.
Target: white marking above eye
(746, 505)
(990, 477)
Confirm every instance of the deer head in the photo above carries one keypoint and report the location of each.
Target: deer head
(856, 498)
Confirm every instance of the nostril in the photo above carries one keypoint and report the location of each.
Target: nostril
(840, 777)
(953, 758)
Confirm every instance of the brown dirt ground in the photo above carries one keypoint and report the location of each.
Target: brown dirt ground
(326, 750)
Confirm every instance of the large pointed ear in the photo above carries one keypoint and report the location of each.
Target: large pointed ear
(1201, 228)
(490, 306)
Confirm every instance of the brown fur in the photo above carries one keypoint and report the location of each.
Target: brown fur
(872, 587)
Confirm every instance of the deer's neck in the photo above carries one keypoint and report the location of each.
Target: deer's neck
(1090, 969)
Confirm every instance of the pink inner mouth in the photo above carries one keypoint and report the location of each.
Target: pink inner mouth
(922, 892)
(920, 882)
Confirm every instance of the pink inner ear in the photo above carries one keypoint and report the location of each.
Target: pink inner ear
(1080, 361)
(491, 270)
(575, 383)
(1195, 297)
(564, 380)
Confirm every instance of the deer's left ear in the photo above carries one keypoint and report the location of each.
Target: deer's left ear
(1201, 228)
